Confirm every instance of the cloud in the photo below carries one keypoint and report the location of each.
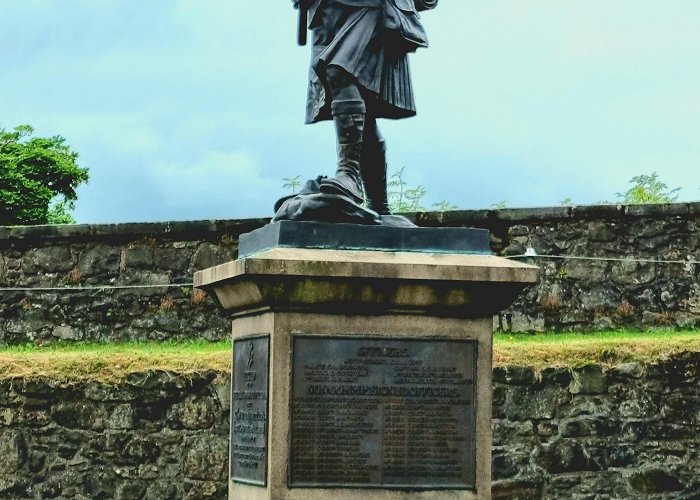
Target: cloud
(125, 134)
(188, 109)
(225, 183)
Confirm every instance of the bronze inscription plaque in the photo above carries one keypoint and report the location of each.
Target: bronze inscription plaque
(383, 413)
(249, 406)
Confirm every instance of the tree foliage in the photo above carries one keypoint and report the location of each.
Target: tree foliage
(38, 178)
(648, 189)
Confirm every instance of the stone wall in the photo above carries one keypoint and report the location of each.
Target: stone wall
(627, 432)
(572, 294)
(157, 436)
(72, 259)
(616, 285)
(592, 433)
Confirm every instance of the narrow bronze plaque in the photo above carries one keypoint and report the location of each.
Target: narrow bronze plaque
(383, 413)
(249, 404)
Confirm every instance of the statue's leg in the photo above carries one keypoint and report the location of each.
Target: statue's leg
(348, 110)
(373, 168)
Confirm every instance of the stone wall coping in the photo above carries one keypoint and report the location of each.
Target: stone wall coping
(235, 227)
(170, 230)
(554, 214)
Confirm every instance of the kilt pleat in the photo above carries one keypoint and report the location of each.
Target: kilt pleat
(351, 38)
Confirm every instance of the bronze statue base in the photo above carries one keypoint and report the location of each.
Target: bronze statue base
(310, 204)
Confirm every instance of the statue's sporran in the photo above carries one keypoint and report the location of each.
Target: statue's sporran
(359, 72)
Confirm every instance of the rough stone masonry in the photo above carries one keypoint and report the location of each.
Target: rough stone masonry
(632, 431)
(572, 294)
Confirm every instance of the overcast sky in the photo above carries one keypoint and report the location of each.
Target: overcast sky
(193, 109)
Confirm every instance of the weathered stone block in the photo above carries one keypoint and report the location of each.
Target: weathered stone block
(599, 298)
(64, 332)
(141, 449)
(209, 255)
(3, 272)
(139, 277)
(36, 460)
(13, 451)
(589, 379)
(506, 464)
(79, 415)
(198, 490)
(38, 388)
(7, 416)
(678, 371)
(130, 491)
(519, 489)
(193, 413)
(601, 231)
(98, 260)
(682, 408)
(157, 379)
(586, 270)
(603, 323)
(98, 484)
(137, 256)
(159, 490)
(505, 431)
(524, 402)
(205, 459)
(518, 230)
(169, 322)
(633, 402)
(172, 259)
(621, 455)
(565, 455)
(51, 259)
(51, 488)
(95, 391)
(223, 394)
(556, 376)
(122, 417)
(654, 480)
(588, 426)
(626, 371)
(547, 429)
(633, 431)
(516, 375)
(516, 321)
(665, 430)
(14, 487)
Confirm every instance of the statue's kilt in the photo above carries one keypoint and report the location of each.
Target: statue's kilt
(352, 38)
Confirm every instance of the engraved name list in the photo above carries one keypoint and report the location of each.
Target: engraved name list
(393, 413)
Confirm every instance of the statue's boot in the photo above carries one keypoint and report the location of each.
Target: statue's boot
(374, 176)
(349, 119)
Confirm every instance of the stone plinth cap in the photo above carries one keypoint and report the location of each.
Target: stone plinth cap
(343, 280)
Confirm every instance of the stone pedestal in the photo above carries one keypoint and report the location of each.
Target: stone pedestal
(362, 374)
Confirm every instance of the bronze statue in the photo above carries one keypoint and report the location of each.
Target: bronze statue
(359, 73)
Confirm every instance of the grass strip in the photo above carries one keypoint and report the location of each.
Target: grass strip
(113, 362)
(578, 349)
